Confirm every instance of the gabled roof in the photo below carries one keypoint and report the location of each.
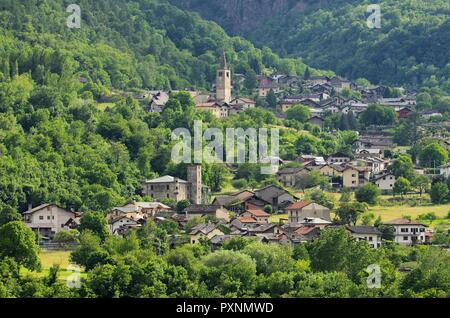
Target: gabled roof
(263, 228)
(43, 206)
(402, 221)
(166, 179)
(291, 170)
(304, 230)
(203, 228)
(364, 230)
(258, 213)
(299, 205)
(202, 208)
(246, 220)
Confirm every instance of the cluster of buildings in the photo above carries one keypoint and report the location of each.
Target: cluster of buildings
(344, 171)
(319, 93)
(241, 214)
(220, 102)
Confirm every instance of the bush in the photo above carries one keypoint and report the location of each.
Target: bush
(240, 183)
(368, 193)
(439, 193)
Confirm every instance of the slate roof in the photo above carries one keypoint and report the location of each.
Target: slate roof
(403, 222)
(202, 208)
(364, 230)
(203, 228)
(166, 179)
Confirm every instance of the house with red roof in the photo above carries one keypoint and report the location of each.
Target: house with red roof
(255, 213)
(301, 210)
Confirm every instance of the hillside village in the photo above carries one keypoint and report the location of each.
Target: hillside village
(247, 213)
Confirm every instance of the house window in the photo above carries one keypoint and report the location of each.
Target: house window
(62, 225)
(220, 74)
(405, 238)
(48, 217)
(168, 188)
(41, 217)
(370, 239)
(151, 188)
(168, 196)
(404, 230)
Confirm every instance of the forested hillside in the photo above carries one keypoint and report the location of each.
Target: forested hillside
(56, 142)
(412, 47)
(125, 44)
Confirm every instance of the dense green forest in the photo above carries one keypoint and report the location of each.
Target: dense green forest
(411, 47)
(56, 142)
(125, 44)
(142, 265)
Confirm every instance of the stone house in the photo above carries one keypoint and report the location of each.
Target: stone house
(168, 187)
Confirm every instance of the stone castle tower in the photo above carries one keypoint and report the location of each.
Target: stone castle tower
(194, 178)
(223, 81)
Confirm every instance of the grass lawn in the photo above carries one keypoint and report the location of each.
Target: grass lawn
(50, 258)
(395, 212)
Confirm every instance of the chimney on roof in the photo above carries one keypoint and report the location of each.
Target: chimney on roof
(30, 206)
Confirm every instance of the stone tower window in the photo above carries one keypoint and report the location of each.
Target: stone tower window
(220, 74)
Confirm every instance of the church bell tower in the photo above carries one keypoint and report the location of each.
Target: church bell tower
(223, 81)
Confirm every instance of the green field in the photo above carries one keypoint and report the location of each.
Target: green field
(49, 259)
(394, 212)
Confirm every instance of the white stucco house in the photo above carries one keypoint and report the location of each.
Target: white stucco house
(385, 182)
(408, 232)
(48, 219)
(369, 234)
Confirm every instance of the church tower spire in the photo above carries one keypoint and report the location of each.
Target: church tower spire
(223, 81)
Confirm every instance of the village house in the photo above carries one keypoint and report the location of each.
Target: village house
(385, 182)
(168, 187)
(339, 84)
(266, 84)
(275, 196)
(219, 110)
(117, 225)
(355, 177)
(408, 232)
(265, 230)
(445, 170)
(301, 210)
(315, 80)
(48, 219)
(204, 232)
(369, 234)
(331, 170)
(245, 103)
(305, 233)
(338, 158)
(404, 113)
(317, 120)
(288, 176)
(201, 210)
(257, 214)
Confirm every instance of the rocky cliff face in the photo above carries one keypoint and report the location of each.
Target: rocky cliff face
(243, 16)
